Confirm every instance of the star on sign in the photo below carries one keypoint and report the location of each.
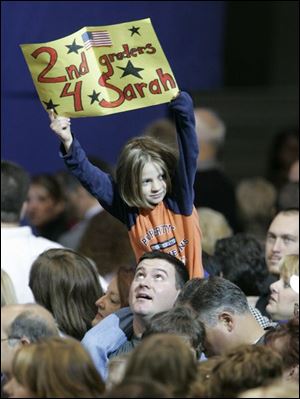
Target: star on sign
(94, 96)
(135, 30)
(73, 48)
(131, 70)
(50, 105)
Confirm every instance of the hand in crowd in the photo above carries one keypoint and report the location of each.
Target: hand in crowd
(61, 126)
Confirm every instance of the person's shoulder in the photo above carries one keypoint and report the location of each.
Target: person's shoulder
(43, 244)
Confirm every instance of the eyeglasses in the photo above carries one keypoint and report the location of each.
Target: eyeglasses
(8, 338)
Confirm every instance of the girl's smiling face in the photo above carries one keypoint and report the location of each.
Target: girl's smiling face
(154, 187)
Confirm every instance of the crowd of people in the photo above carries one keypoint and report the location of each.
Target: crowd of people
(156, 278)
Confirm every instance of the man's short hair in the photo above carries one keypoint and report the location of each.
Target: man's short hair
(15, 183)
(181, 273)
(179, 320)
(209, 297)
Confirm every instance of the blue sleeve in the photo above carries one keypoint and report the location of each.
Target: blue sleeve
(94, 180)
(183, 181)
(106, 337)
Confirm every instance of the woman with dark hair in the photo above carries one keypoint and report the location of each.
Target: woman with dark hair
(66, 283)
(117, 294)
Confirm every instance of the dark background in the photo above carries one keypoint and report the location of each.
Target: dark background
(239, 57)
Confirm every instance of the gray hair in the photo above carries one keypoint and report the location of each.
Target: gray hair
(212, 296)
(32, 326)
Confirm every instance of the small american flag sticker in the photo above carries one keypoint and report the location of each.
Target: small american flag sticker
(96, 39)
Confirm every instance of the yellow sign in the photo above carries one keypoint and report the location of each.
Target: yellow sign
(101, 70)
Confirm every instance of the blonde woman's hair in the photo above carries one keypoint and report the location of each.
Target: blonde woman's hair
(288, 266)
(136, 153)
(57, 367)
(8, 293)
(214, 227)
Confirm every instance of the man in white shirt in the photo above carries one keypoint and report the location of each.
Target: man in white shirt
(19, 246)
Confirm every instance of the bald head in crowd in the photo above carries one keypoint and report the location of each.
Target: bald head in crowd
(21, 325)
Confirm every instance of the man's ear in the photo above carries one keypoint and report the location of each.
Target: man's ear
(25, 341)
(227, 320)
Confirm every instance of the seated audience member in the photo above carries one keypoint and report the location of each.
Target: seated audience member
(158, 279)
(223, 309)
(54, 368)
(181, 321)
(214, 226)
(284, 151)
(138, 388)
(213, 189)
(285, 340)
(116, 295)
(22, 325)
(282, 239)
(164, 358)
(46, 208)
(283, 297)
(8, 293)
(106, 242)
(256, 199)
(16, 240)
(244, 367)
(66, 283)
(276, 388)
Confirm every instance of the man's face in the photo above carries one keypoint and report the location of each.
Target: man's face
(218, 338)
(109, 302)
(41, 207)
(153, 289)
(282, 239)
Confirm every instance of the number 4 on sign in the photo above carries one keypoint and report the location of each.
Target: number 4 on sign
(76, 93)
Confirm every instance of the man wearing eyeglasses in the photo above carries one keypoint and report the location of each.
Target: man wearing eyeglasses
(22, 325)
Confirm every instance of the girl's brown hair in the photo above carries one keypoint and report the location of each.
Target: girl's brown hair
(136, 153)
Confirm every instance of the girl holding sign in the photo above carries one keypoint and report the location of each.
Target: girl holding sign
(153, 193)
